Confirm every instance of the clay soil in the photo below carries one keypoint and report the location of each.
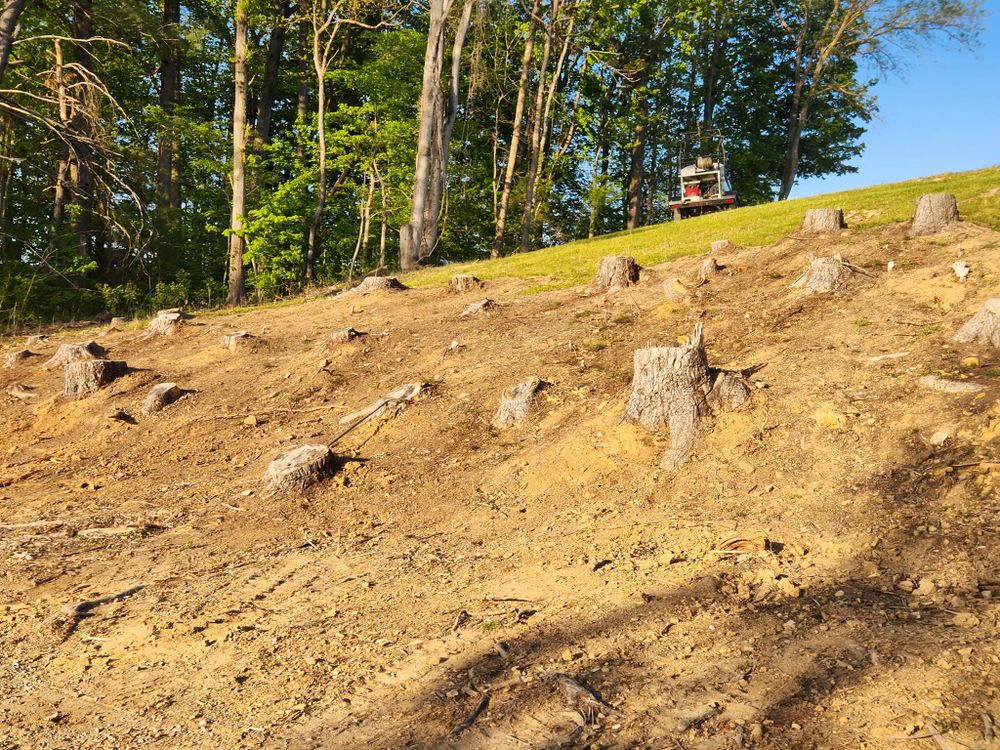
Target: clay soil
(154, 593)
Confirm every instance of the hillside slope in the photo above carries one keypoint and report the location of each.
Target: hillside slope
(438, 590)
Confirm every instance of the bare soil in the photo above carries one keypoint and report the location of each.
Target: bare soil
(154, 592)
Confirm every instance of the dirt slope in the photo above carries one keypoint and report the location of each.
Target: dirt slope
(447, 563)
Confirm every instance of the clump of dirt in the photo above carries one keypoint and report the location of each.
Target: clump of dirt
(456, 585)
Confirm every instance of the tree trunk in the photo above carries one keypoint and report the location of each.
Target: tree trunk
(302, 97)
(319, 65)
(168, 147)
(633, 219)
(515, 138)
(275, 50)
(798, 109)
(527, 222)
(80, 170)
(237, 293)
(9, 18)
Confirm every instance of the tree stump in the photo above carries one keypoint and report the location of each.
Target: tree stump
(36, 340)
(300, 468)
(339, 338)
(983, 327)
(118, 323)
(236, 339)
(15, 358)
(517, 403)
(481, 306)
(83, 378)
(709, 268)
(165, 322)
(823, 221)
(464, 282)
(160, 396)
(935, 211)
(824, 275)
(615, 272)
(21, 392)
(722, 246)
(67, 353)
(379, 283)
(674, 388)
(670, 386)
(675, 290)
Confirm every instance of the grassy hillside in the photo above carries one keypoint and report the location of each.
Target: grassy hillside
(978, 195)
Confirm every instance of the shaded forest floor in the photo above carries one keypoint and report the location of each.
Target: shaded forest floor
(448, 566)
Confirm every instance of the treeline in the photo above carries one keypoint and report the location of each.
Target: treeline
(157, 153)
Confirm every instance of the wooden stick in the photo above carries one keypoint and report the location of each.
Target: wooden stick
(480, 707)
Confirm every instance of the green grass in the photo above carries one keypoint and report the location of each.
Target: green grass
(576, 262)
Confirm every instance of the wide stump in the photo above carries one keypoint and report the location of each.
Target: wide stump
(300, 468)
(464, 282)
(935, 211)
(823, 221)
(83, 378)
(615, 272)
(67, 353)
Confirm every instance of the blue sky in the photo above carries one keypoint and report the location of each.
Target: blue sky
(940, 114)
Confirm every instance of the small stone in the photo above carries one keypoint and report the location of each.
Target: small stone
(970, 362)
(934, 383)
(926, 587)
(905, 585)
(961, 269)
(890, 266)
(251, 421)
(965, 620)
(939, 438)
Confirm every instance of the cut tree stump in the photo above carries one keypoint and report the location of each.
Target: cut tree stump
(464, 282)
(161, 395)
(517, 403)
(983, 327)
(480, 306)
(935, 211)
(823, 221)
(615, 272)
(674, 388)
(118, 323)
(345, 336)
(83, 378)
(21, 392)
(709, 268)
(722, 246)
(824, 275)
(379, 283)
(36, 340)
(236, 339)
(67, 353)
(15, 358)
(300, 468)
(165, 322)
(676, 290)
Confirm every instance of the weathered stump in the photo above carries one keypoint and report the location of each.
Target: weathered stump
(21, 392)
(345, 336)
(464, 282)
(983, 327)
(118, 323)
(675, 290)
(674, 388)
(824, 275)
(300, 468)
(83, 351)
(15, 358)
(615, 272)
(823, 221)
(165, 322)
(722, 246)
(935, 211)
(236, 339)
(480, 306)
(36, 340)
(83, 378)
(709, 268)
(379, 283)
(517, 403)
(161, 395)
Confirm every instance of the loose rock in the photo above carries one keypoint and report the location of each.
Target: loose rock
(934, 383)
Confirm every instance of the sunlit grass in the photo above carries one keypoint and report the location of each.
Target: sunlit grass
(978, 196)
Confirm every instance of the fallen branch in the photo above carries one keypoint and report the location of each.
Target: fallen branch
(480, 707)
(68, 618)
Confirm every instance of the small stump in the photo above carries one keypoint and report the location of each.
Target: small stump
(300, 468)
(674, 388)
(83, 378)
(36, 340)
(160, 396)
(517, 403)
(823, 221)
(675, 290)
(118, 323)
(15, 358)
(709, 268)
(824, 275)
(21, 392)
(615, 272)
(935, 211)
(339, 338)
(464, 282)
(236, 339)
(983, 327)
(722, 246)
(481, 306)
(165, 323)
(379, 283)
(81, 352)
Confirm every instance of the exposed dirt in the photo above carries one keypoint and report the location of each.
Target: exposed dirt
(153, 592)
